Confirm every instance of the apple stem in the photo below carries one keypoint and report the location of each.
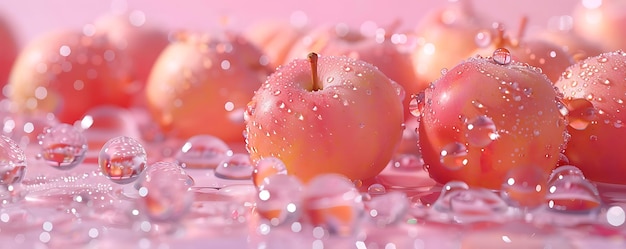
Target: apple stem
(313, 60)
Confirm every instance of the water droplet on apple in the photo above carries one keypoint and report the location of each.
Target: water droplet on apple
(502, 56)
(581, 113)
(266, 167)
(454, 155)
(202, 151)
(416, 105)
(573, 194)
(480, 131)
(330, 79)
(63, 146)
(563, 172)
(122, 159)
(524, 187)
(279, 199)
(236, 167)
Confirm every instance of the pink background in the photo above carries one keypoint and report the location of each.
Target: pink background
(30, 18)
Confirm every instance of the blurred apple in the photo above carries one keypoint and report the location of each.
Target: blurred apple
(8, 49)
(275, 38)
(601, 22)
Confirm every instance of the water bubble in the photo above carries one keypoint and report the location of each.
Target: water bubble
(442, 204)
(236, 167)
(475, 204)
(481, 131)
(12, 167)
(63, 146)
(581, 113)
(280, 199)
(416, 105)
(164, 192)
(524, 187)
(454, 155)
(502, 56)
(122, 159)
(384, 214)
(376, 189)
(266, 167)
(573, 194)
(336, 209)
(563, 172)
(202, 151)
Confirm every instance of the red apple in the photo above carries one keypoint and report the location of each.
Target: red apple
(593, 92)
(601, 22)
(67, 73)
(8, 49)
(275, 38)
(486, 116)
(379, 49)
(200, 84)
(446, 36)
(335, 115)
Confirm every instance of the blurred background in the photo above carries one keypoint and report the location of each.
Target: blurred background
(30, 18)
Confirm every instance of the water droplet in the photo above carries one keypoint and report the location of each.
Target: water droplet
(454, 155)
(376, 189)
(568, 74)
(330, 79)
(481, 131)
(63, 146)
(202, 151)
(524, 187)
(573, 194)
(382, 213)
(581, 113)
(442, 204)
(164, 192)
(236, 167)
(276, 93)
(12, 168)
(416, 105)
(474, 205)
(336, 209)
(266, 167)
(602, 59)
(347, 68)
(122, 159)
(279, 199)
(563, 172)
(502, 56)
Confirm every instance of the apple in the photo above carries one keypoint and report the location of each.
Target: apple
(593, 93)
(327, 114)
(9, 50)
(275, 38)
(601, 22)
(201, 83)
(560, 31)
(66, 72)
(486, 116)
(446, 36)
(389, 55)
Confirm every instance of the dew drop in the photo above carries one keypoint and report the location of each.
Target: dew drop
(454, 156)
(481, 131)
(502, 56)
(63, 146)
(581, 113)
(122, 159)
(376, 189)
(563, 172)
(573, 194)
(524, 187)
(164, 192)
(266, 167)
(442, 204)
(279, 199)
(416, 105)
(236, 167)
(202, 151)
(12, 168)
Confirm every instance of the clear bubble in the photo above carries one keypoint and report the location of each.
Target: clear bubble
(454, 156)
(122, 159)
(524, 187)
(376, 189)
(388, 209)
(502, 56)
(164, 192)
(581, 113)
(416, 105)
(12, 167)
(336, 209)
(573, 194)
(236, 167)
(280, 199)
(266, 167)
(203, 151)
(563, 172)
(63, 146)
(481, 131)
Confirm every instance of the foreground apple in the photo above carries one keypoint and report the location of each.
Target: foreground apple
(332, 115)
(486, 116)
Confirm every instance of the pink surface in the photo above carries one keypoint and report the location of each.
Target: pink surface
(32, 17)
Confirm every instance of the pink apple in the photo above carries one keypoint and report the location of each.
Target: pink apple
(201, 84)
(9, 50)
(275, 38)
(332, 115)
(383, 48)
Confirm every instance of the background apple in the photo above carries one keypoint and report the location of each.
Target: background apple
(335, 115)
(201, 83)
(275, 38)
(8, 48)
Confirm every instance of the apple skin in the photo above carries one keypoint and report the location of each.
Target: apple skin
(517, 98)
(351, 125)
(9, 50)
(77, 72)
(387, 56)
(201, 83)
